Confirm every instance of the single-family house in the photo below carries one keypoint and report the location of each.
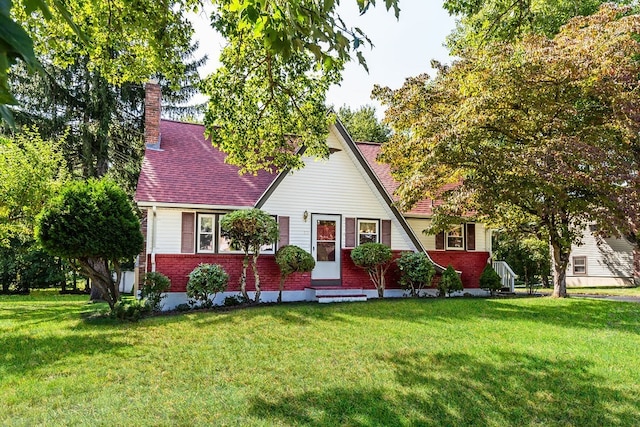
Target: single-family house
(603, 261)
(327, 208)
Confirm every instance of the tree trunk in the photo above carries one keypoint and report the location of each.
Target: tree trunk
(256, 276)
(243, 277)
(97, 270)
(282, 279)
(560, 256)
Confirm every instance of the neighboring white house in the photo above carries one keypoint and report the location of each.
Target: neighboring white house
(600, 261)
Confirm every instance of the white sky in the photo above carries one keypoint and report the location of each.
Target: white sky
(402, 48)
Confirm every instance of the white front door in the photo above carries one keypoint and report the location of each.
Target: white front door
(325, 247)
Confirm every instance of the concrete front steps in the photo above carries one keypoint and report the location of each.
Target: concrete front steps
(327, 294)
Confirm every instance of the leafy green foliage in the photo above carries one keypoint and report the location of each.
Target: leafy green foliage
(248, 230)
(416, 272)
(375, 258)
(24, 265)
(363, 125)
(528, 257)
(450, 282)
(205, 281)
(130, 309)
(518, 133)
(263, 109)
(31, 171)
(153, 286)
(482, 21)
(292, 259)
(93, 225)
(490, 280)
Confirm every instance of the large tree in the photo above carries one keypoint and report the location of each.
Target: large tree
(540, 131)
(92, 224)
(363, 125)
(483, 21)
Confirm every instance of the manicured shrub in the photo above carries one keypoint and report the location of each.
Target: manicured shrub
(375, 258)
(235, 300)
(205, 281)
(130, 309)
(183, 307)
(292, 259)
(416, 272)
(248, 230)
(490, 280)
(153, 287)
(450, 282)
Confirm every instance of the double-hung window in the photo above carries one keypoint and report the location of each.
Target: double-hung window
(206, 231)
(579, 265)
(455, 238)
(368, 231)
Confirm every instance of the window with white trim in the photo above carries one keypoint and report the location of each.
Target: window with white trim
(368, 231)
(454, 238)
(579, 265)
(206, 231)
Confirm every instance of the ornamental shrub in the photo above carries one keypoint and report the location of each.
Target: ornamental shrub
(450, 282)
(375, 258)
(248, 230)
(416, 272)
(490, 280)
(292, 259)
(130, 309)
(153, 287)
(205, 281)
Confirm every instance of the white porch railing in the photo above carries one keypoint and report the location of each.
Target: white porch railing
(506, 274)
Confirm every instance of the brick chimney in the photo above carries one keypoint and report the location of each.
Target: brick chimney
(152, 108)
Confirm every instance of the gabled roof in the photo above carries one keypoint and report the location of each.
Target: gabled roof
(188, 170)
(370, 150)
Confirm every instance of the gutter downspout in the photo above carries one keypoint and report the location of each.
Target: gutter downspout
(154, 221)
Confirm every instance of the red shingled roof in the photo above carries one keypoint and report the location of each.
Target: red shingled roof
(383, 171)
(188, 169)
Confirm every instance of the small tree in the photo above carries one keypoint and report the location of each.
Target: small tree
(153, 286)
(92, 224)
(248, 230)
(449, 282)
(375, 259)
(490, 280)
(416, 272)
(205, 281)
(292, 259)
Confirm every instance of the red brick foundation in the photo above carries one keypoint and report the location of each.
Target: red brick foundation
(470, 263)
(178, 266)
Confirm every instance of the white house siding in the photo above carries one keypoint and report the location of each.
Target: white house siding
(168, 225)
(483, 240)
(609, 262)
(334, 186)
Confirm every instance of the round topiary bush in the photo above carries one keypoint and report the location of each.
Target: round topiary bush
(490, 280)
(292, 259)
(205, 281)
(375, 259)
(416, 272)
(153, 286)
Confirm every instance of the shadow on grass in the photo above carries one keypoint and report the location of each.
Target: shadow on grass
(459, 389)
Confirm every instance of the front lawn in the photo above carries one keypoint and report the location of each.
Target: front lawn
(486, 362)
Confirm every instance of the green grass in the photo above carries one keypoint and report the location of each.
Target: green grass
(600, 290)
(481, 362)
